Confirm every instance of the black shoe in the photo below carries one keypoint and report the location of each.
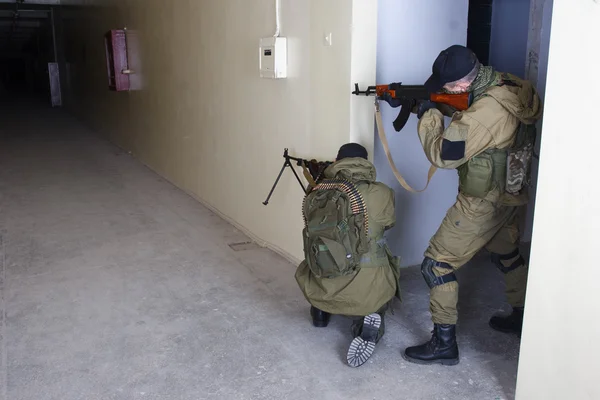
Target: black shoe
(320, 318)
(512, 323)
(441, 349)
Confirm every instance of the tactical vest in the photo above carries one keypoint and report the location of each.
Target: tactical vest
(337, 236)
(507, 169)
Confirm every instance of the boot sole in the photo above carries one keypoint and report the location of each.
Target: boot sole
(363, 346)
(447, 361)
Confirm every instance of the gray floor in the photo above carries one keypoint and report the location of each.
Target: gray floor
(116, 285)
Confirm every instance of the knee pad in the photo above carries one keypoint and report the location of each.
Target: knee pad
(498, 258)
(430, 278)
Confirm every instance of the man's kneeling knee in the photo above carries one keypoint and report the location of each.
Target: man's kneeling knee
(432, 280)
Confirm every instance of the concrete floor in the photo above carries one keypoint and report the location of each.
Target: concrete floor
(116, 285)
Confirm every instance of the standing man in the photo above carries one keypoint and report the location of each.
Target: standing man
(348, 268)
(496, 131)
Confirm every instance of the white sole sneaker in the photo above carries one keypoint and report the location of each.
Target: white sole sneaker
(363, 346)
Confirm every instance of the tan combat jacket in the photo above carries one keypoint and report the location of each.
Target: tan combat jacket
(490, 123)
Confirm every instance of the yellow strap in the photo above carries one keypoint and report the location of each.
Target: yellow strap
(386, 148)
(308, 176)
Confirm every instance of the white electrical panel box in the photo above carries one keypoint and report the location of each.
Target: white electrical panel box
(273, 57)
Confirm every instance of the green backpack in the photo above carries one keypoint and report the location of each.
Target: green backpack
(336, 226)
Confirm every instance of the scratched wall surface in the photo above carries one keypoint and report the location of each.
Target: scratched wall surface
(538, 45)
(406, 49)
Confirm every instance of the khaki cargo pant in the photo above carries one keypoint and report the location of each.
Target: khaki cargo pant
(469, 225)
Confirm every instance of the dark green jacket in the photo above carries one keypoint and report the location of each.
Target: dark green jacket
(376, 281)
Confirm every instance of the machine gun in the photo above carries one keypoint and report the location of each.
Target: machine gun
(410, 95)
(312, 170)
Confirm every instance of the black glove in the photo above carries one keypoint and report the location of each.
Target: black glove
(423, 106)
(394, 103)
(447, 110)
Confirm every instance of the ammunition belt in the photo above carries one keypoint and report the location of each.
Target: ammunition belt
(357, 202)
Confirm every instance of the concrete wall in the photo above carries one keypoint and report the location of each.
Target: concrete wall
(510, 27)
(205, 120)
(559, 348)
(406, 50)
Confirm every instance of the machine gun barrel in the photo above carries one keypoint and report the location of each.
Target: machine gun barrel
(312, 171)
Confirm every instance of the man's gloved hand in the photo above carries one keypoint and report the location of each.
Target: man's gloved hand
(423, 106)
(447, 110)
(394, 103)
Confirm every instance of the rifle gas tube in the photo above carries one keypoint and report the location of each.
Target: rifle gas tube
(409, 95)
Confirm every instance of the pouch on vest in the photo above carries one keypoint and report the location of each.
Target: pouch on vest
(476, 175)
(507, 169)
(518, 162)
(335, 235)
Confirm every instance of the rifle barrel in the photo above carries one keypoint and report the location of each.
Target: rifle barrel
(403, 91)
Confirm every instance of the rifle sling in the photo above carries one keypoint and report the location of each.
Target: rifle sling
(386, 148)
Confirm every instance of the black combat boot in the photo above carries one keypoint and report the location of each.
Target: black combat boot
(512, 323)
(441, 349)
(367, 332)
(320, 318)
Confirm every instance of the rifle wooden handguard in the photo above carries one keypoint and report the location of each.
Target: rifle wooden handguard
(460, 101)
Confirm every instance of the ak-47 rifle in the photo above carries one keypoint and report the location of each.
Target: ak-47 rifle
(409, 95)
(312, 170)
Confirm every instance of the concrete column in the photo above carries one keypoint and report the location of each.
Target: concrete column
(559, 347)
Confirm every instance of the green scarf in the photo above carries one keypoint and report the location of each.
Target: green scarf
(486, 77)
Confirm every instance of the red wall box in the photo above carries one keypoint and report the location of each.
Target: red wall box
(116, 59)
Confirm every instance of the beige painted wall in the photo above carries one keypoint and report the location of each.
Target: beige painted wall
(205, 120)
(560, 350)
